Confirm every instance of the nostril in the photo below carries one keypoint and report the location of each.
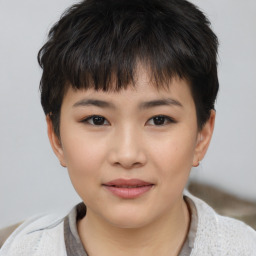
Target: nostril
(137, 164)
(127, 165)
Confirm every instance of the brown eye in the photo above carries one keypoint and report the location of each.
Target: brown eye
(96, 120)
(160, 120)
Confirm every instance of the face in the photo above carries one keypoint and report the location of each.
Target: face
(129, 153)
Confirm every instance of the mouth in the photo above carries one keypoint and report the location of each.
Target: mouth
(128, 189)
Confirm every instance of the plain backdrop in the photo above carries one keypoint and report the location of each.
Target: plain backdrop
(31, 179)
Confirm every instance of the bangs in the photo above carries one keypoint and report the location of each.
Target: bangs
(117, 68)
(100, 47)
(105, 62)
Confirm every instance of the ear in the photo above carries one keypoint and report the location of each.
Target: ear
(203, 139)
(55, 141)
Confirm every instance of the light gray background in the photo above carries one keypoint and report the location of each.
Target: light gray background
(31, 179)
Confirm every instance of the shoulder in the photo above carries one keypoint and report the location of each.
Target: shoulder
(236, 236)
(219, 235)
(6, 232)
(40, 235)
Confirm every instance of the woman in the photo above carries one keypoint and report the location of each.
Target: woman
(128, 90)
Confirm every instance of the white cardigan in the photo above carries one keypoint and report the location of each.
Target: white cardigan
(216, 236)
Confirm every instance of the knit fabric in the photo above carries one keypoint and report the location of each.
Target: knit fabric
(216, 236)
(221, 236)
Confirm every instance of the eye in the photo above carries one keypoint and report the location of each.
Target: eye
(160, 120)
(96, 120)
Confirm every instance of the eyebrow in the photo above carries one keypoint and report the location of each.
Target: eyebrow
(93, 102)
(162, 102)
(143, 105)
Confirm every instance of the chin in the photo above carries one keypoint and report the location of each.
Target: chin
(129, 219)
(129, 224)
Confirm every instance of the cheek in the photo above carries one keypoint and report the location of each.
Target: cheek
(84, 160)
(173, 156)
(84, 157)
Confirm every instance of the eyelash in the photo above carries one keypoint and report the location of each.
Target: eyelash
(86, 120)
(167, 119)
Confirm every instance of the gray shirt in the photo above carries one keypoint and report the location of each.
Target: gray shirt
(75, 247)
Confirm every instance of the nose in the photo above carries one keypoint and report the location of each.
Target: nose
(128, 150)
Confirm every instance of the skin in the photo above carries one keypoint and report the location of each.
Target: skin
(131, 145)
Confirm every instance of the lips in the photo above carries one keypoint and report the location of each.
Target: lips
(128, 189)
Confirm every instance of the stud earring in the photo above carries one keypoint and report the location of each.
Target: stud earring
(198, 163)
(63, 165)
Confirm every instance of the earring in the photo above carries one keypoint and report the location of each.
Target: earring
(63, 165)
(198, 163)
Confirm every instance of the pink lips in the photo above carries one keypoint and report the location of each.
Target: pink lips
(128, 189)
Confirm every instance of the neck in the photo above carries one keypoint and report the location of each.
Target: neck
(164, 236)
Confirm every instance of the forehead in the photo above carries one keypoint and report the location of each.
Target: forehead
(144, 84)
(176, 92)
